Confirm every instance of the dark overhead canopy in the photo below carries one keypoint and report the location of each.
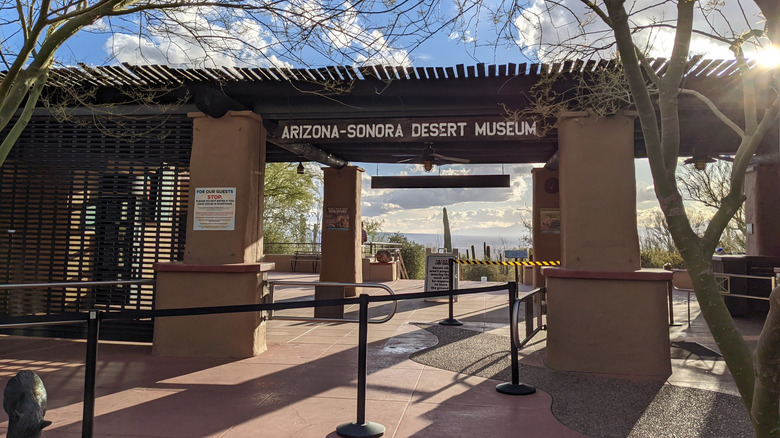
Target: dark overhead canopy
(392, 98)
(438, 181)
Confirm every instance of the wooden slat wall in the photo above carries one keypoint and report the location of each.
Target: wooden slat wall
(87, 206)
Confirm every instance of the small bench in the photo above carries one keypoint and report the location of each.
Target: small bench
(305, 257)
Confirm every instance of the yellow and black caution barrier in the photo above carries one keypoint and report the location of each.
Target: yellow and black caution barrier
(483, 262)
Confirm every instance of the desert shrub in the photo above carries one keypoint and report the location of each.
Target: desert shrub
(492, 272)
(413, 254)
(656, 258)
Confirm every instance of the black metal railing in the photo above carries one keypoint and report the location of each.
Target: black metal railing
(359, 428)
(272, 286)
(532, 299)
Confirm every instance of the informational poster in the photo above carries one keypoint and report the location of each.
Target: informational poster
(550, 220)
(437, 273)
(336, 218)
(215, 209)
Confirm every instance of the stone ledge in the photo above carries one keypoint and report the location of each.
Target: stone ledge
(640, 275)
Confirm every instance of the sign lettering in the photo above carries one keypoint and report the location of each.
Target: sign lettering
(214, 209)
(398, 130)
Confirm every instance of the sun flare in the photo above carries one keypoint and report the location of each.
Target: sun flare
(769, 57)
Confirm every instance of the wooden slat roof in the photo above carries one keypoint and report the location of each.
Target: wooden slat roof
(381, 91)
(131, 75)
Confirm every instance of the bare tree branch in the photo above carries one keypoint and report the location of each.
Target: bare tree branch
(715, 110)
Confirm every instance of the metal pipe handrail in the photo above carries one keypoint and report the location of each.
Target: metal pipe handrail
(727, 292)
(728, 276)
(387, 244)
(75, 284)
(515, 315)
(272, 285)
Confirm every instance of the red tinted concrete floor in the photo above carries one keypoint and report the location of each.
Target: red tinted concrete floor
(304, 385)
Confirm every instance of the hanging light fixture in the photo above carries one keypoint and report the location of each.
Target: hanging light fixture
(300, 169)
(699, 163)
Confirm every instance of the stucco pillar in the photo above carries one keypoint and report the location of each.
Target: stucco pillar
(342, 260)
(546, 219)
(598, 194)
(228, 152)
(762, 207)
(221, 264)
(605, 315)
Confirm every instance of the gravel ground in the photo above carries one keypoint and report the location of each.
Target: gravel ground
(594, 405)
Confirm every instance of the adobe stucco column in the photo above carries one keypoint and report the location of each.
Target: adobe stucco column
(762, 207)
(342, 260)
(227, 152)
(605, 315)
(546, 220)
(598, 194)
(221, 264)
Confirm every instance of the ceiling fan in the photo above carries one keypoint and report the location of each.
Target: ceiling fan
(429, 158)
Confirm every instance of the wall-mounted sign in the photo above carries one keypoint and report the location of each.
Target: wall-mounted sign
(550, 220)
(400, 130)
(215, 209)
(336, 218)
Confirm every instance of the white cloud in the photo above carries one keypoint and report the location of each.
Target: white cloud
(485, 211)
(379, 52)
(345, 32)
(484, 218)
(213, 37)
(197, 37)
(424, 198)
(581, 30)
(382, 201)
(645, 192)
(465, 37)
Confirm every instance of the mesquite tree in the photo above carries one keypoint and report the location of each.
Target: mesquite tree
(632, 31)
(198, 33)
(757, 380)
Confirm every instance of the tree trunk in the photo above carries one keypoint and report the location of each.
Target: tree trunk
(765, 413)
(24, 117)
(732, 346)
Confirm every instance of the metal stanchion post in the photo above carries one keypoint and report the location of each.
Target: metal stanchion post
(515, 387)
(451, 320)
(361, 428)
(90, 370)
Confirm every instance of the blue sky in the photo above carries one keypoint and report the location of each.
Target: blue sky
(484, 212)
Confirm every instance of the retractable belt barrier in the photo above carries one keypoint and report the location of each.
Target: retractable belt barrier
(358, 429)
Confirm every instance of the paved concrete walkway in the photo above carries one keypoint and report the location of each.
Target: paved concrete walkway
(304, 385)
